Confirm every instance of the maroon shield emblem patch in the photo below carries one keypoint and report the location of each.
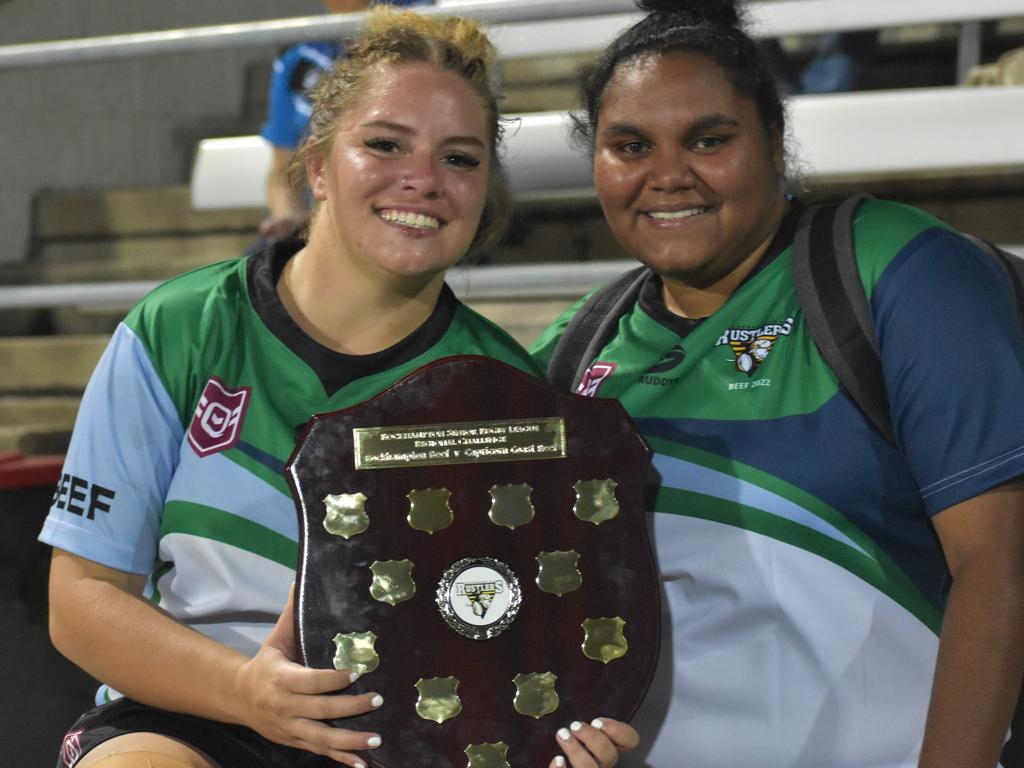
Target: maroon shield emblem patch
(217, 422)
(473, 542)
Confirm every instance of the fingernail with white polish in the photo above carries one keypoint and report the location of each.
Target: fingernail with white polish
(360, 765)
(563, 734)
(576, 726)
(599, 723)
(352, 677)
(377, 700)
(373, 741)
(559, 761)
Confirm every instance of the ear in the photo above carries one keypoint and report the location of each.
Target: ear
(315, 177)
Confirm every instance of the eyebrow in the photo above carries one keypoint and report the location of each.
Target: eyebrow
(705, 123)
(406, 130)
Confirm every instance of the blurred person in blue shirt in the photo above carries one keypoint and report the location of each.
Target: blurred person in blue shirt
(296, 71)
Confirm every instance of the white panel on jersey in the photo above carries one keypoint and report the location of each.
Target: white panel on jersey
(227, 593)
(782, 655)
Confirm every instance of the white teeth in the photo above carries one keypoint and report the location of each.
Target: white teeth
(675, 214)
(409, 219)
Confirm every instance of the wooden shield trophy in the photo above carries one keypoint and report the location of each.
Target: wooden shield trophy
(474, 543)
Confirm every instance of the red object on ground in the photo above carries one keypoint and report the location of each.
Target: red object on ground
(19, 471)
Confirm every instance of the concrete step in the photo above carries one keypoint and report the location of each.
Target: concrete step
(132, 212)
(136, 258)
(46, 365)
(524, 319)
(35, 425)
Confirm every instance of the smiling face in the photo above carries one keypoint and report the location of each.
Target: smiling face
(690, 181)
(404, 182)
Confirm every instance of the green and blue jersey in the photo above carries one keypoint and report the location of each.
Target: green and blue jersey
(804, 582)
(186, 426)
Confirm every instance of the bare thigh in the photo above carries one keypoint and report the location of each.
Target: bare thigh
(144, 750)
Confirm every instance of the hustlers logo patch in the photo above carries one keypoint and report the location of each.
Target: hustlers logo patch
(217, 422)
(750, 346)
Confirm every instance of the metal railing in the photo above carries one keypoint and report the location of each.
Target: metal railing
(768, 18)
(559, 280)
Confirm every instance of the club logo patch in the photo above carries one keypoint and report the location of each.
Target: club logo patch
(594, 377)
(217, 422)
(71, 748)
(750, 346)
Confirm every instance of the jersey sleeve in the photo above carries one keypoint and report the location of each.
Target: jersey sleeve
(953, 359)
(123, 453)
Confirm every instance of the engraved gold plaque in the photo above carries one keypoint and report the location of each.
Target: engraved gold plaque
(511, 505)
(595, 501)
(346, 515)
(558, 572)
(487, 755)
(438, 700)
(430, 510)
(355, 652)
(464, 442)
(535, 694)
(392, 581)
(603, 639)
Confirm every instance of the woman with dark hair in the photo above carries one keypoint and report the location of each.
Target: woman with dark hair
(832, 599)
(174, 530)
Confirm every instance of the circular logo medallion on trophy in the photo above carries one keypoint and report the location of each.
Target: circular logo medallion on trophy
(479, 597)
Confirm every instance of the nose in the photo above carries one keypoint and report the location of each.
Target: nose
(421, 173)
(670, 170)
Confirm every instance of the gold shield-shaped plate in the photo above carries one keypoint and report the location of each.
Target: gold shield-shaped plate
(505, 522)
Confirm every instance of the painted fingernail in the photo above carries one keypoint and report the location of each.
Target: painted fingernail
(563, 734)
(377, 700)
(373, 741)
(559, 761)
(599, 723)
(360, 765)
(352, 677)
(576, 726)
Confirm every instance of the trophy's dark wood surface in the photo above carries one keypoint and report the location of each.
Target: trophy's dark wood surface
(414, 642)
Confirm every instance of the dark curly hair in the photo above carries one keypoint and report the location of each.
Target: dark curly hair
(711, 28)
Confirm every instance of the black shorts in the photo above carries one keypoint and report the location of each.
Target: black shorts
(230, 746)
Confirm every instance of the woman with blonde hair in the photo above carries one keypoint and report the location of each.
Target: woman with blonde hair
(174, 531)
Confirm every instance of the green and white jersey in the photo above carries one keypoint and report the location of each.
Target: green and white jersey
(803, 582)
(175, 468)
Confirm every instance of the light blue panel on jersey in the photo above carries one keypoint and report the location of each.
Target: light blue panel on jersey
(216, 481)
(124, 397)
(686, 476)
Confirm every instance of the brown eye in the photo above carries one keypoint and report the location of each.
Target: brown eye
(633, 148)
(382, 145)
(460, 160)
(708, 143)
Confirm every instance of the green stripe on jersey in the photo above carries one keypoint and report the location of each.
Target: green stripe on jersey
(872, 564)
(218, 525)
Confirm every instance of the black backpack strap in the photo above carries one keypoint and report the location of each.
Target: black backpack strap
(1014, 267)
(591, 328)
(836, 308)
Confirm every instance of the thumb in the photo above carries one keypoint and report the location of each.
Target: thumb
(282, 636)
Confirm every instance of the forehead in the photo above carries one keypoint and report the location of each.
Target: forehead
(419, 93)
(671, 87)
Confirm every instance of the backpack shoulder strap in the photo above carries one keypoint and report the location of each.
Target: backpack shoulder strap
(1012, 264)
(836, 308)
(591, 328)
